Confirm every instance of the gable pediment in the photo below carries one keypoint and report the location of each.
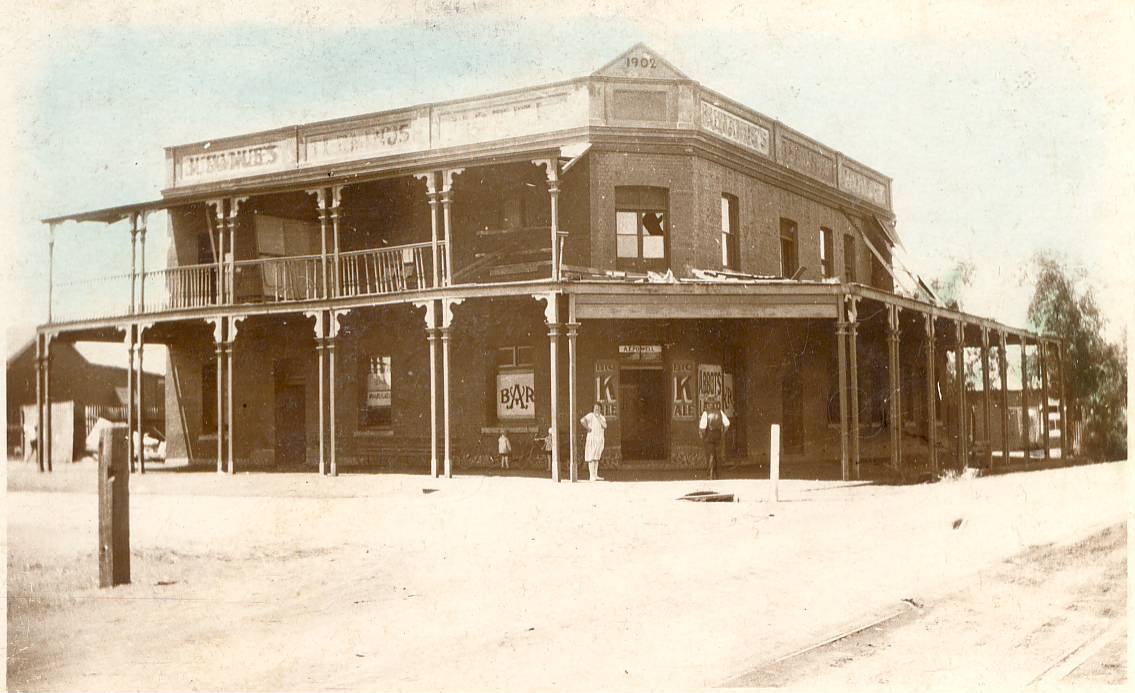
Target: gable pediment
(640, 62)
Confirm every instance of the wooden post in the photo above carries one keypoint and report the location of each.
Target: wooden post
(852, 338)
(931, 393)
(131, 348)
(39, 402)
(1042, 356)
(986, 396)
(774, 461)
(1065, 424)
(114, 507)
(139, 387)
(959, 358)
(841, 349)
(573, 410)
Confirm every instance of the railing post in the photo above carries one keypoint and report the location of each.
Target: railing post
(234, 208)
(321, 208)
(142, 262)
(431, 192)
(133, 268)
(446, 202)
(336, 199)
(50, 269)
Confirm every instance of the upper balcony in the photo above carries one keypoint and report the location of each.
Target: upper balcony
(397, 235)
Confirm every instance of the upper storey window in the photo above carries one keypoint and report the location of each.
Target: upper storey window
(729, 259)
(849, 258)
(789, 261)
(642, 228)
(827, 253)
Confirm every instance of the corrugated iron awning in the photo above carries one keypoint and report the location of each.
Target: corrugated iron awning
(889, 231)
(109, 215)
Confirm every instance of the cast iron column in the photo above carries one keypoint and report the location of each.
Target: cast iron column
(963, 412)
(1003, 371)
(841, 350)
(986, 396)
(931, 394)
(1042, 356)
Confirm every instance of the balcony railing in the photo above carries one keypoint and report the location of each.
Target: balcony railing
(262, 280)
(178, 288)
(388, 270)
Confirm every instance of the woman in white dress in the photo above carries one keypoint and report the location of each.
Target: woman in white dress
(596, 424)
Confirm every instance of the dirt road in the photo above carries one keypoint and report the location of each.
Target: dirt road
(292, 581)
(1052, 616)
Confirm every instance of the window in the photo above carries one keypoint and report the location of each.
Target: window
(849, 258)
(789, 262)
(515, 391)
(729, 259)
(209, 397)
(827, 253)
(375, 402)
(641, 228)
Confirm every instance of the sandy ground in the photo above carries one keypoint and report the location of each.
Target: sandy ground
(292, 581)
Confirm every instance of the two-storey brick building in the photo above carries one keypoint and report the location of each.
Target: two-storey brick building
(395, 289)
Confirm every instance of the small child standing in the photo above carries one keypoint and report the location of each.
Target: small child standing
(504, 448)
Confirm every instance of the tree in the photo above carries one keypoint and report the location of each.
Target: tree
(950, 286)
(1095, 371)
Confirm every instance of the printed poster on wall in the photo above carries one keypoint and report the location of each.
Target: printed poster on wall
(711, 384)
(728, 402)
(607, 387)
(682, 391)
(516, 395)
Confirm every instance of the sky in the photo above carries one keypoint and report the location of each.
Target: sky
(1007, 129)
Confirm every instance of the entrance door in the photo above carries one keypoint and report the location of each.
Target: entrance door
(291, 429)
(643, 409)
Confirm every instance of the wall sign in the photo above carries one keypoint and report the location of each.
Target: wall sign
(607, 387)
(640, 352)
(375, 139)
(711, 384)
(516, 395)
(206, 164)
(737, 130)
(682, 393)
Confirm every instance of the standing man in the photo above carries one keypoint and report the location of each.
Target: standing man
(712, 427)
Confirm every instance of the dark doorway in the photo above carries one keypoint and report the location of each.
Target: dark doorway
(643, 410)
(291, 428)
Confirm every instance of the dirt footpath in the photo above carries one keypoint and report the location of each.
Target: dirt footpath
(291, 581)
(1052, 616)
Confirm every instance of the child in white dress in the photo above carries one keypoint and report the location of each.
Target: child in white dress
(596, 424)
